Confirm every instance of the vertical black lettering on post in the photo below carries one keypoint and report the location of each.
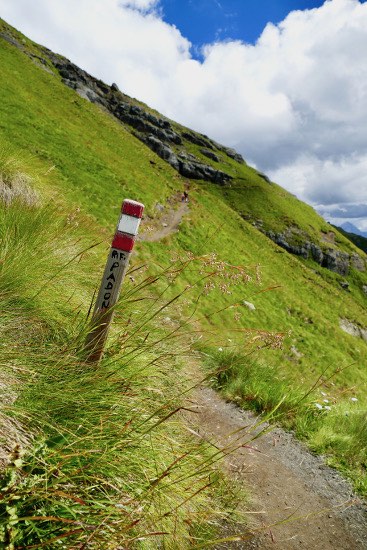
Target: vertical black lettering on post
(115, 269)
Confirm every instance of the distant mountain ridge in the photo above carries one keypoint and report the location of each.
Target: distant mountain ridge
(351, 228)
(359, 238)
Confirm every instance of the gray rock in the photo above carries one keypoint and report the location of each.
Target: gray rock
(280, 240)
(232, 153)
(357, 262)
(153, 119)
(353, 329)
(160, 149)
(42, 63)
(344, 285)
(141, 122)
(336, 261)
(249, 305)
(264, 176)
(136, 111)
(210, 154)
(102, 87)
(10, 39)
(195, 170)
(164, 123)
(331, 259)
(97, 91)
(317, 253)
(228, 151)
(188, 156)
(364, 288)
(155, 132)
(259, 225)
(122, 108)
(197, 140)
(86, 86)
(295, 352)
(87, 93)
(169, 135)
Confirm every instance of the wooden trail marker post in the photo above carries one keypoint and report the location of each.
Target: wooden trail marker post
(114, 273)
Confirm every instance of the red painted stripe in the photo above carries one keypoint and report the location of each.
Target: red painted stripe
(122, 241)
(132, 208)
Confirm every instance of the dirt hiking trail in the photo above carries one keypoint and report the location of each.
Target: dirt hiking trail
(297, 501)
(315, 506)
(166, 224)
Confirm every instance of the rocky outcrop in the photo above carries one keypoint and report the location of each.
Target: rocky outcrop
(330, 258)
(188, 156)
(358, 263)
(9, 38)
(336, 261)
(185, 164)
(353, 329)
(231, 153)
(210, 154)
(282, 240)
(162, 150)
(146, 122)
(264, 177)
(156, 132)
(195, 170)
(198, 139)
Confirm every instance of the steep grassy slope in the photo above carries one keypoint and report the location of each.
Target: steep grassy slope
(358, 240)
(87, 161)
(95, 457)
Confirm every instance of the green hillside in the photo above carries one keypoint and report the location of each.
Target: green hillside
(358, 240)
(66, 163)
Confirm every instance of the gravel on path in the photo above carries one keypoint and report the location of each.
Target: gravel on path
(302, 502)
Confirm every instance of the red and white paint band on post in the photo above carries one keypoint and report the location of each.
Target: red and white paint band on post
(114, 273)
(128, 225)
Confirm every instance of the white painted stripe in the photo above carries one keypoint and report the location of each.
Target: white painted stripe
(129, 224)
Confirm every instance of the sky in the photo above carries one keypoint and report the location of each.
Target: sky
(206, 21)
(283, 82)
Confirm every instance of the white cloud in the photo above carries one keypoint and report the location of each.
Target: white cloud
(142, 5)
(326, 181)
(295, 103)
